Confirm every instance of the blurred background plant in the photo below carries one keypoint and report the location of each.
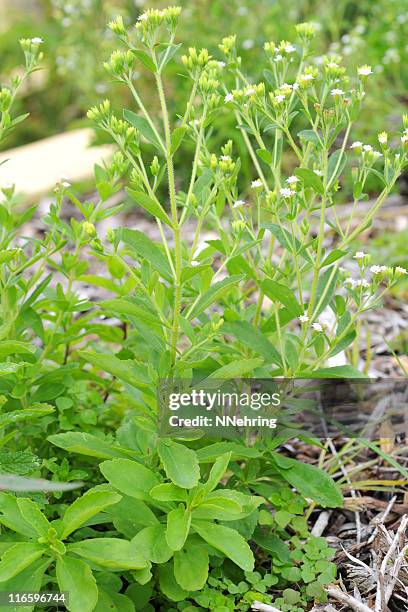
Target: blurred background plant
(76, 37)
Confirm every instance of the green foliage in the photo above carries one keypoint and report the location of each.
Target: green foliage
(175, 523)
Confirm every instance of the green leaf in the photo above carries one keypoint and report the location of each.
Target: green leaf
(309, 136)
(16, 416)
(168, 492)
(126, 307)
(146, 60)
(28, 580)
(169, 52)
(217, 472)
(177, 138)
(178, 526)
(114, 602)
(214, 294)
(235, 369)
(152, 206)
(124, 369)
(191, 567)
(151, 543)
(217, 507)
(209, 454)
(344, 371)
(168, 584)
(83, 508)
(285, 239)
(265, 156)
(33, 515)
(12, 518)
(14, 347)
(129, 477)
(325, 289)
(75, 577)
(310, 179)
(250, 336)
(180, 463)
(87, 444)
(18, 462)
(112, 553)
(146, 249)
(203, 183)
(336, 164)
(332, 257)
(18, 557)
(228, 541)
(310, 481)
(281, 293)
(144, 127)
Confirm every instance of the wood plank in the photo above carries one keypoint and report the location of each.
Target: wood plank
(37, 167)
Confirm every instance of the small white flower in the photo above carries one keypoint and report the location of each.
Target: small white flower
(286, 192)
(292, 180)
(318, 172)
(377, 154)
(37, 40)
(289, 48)
(337, 92)
(350, 282)
(248, 43)
(364, 70)
(194, 264)
(229, 98)
(306, 77)
(332, 65)
(363, 283)
(378, 269)
(221, 64)
(295, 86)
(359, 255)
(404, 138)
(303, 318)
(278, 58)
(250, 91)
(400, 270)
(356, 145)
(143, 17)
(280, 98)
(317, 327)
(225, 158)
(367, 148)
(66, 184)
(256, 184)
(383, 138)
(238, 204)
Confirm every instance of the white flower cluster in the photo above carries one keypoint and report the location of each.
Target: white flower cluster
(318, 327)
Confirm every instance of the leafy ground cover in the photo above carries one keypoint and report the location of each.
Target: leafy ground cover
(132, 520)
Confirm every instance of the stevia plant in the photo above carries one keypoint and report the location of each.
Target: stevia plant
(170, 524)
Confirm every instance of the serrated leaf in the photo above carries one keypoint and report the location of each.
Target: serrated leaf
(310, 481)
(283, 294)
(228, 541)
(179, 462)
(152, 206)
(129, 477)
(76, 578)
(250, 336)
(146, 249)
(144, 127)
(178, 526)
(191, 567)
(83, 508)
